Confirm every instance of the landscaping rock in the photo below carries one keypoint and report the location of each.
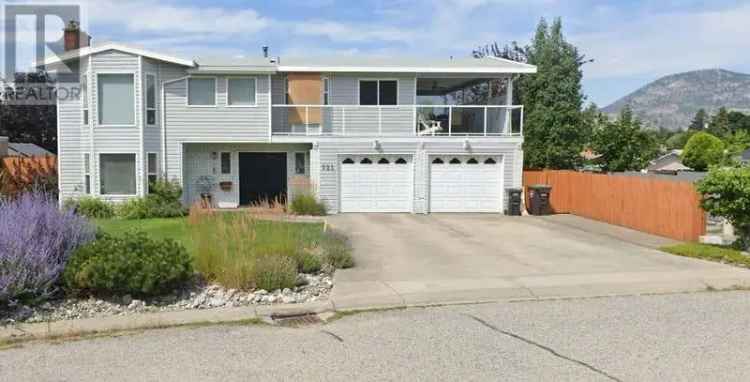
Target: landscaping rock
(310, 287)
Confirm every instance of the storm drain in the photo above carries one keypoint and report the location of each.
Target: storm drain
(296, 320)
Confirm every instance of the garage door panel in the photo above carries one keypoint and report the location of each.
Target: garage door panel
(381, 186)
(472, 185)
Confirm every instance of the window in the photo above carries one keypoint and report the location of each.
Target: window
(87, 173)
(226, 163)
(378, 92)
(116, 99)
(326, 90)
(472, 161)
(348, 161)
(85, 99)
(201, 91)
(455, 161)
(241, 91)
(117, 173)
(299, 163)
(150, 100)
(383, 161)
(489, 161)
(437, 161)
(401, 161)
(365, 161)
(152, 166)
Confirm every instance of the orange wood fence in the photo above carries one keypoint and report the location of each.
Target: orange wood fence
(20, 170)
(668, 208)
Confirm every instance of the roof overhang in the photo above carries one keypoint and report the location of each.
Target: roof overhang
(230, 70)
(405, 69)
(87, 51)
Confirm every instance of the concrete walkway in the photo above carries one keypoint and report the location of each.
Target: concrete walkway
(451, 258)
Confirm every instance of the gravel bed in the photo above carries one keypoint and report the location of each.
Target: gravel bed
(310, 287)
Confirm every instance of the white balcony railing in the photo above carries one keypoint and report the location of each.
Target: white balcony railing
(397, 120)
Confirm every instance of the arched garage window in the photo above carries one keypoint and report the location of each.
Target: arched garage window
(472, 161)
(437, 161)
(383, 161)
(365, 161)
(401, 161)
(348, 161)
(455, 161)
(489, 161)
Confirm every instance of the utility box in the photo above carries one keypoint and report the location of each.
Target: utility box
(513, 197)
(539, 195)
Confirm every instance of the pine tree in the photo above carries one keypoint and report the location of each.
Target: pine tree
(719, 125)
(552, 100)
(699, 121)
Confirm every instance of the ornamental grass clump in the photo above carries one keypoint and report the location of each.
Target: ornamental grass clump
(36, 240)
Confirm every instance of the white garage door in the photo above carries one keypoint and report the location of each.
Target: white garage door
(376, 183)
(466, 184)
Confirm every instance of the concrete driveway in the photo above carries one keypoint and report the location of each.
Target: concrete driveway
(447, 258)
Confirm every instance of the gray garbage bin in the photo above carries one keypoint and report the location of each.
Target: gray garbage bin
(539, 199)
(513, 198)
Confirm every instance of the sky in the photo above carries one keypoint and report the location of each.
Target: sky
(631, 42)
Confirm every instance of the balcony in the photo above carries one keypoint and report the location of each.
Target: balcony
(398, 121)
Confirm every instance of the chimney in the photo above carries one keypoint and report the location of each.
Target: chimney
(74, 37)
(3, 147)
(265, 51)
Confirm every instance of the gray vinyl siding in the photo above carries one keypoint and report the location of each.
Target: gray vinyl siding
(213, 124)
(72, 141)
(332, 151)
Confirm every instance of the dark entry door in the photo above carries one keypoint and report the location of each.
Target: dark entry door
(262, 176)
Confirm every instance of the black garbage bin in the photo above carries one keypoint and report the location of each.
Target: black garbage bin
(513, 197)
(539, 199)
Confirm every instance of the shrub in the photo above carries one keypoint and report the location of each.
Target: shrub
(308, 262)
(90, 207)
(726, 193)
(275, 272)
(36, 240)
(162, 202)
(132, 263)
(307, 204)
(336, 250)
(702, 150)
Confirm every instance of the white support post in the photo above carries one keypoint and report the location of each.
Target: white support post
(485, 121)
(521, 122)
(450, 120)
(508, 127)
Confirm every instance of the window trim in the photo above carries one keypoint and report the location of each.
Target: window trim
(145, 100)
(325, 95)
(85, 104)
(255, 83)
(86, 161)
(216, 90)
(99, 173)
(135, 100)
(148, 172)
(221, 167)
(359, 87)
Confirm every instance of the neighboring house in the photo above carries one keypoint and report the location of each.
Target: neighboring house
(24, 150)
(392, 135)
(669, 163)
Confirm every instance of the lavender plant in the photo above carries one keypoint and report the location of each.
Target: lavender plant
(36, 240)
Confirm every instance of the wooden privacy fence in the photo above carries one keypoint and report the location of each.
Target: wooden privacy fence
(669, 208)
(20, 170)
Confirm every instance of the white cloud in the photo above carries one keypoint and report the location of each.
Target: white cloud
(341, 32)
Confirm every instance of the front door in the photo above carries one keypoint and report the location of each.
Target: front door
(262, 177)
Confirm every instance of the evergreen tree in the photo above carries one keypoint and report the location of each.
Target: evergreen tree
(719, 125)
(552, 100)
(699, 121)
(623, 145)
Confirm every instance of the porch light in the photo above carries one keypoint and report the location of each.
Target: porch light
(376, 145)
(467, 146)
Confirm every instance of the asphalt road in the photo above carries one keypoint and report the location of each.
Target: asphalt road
(702, 336)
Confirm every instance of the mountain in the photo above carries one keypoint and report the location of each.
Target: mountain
(672, 101)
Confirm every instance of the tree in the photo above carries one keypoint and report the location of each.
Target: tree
(623, 145)
(719, 125)
(699, 121)
(554, 124)
(702, 150)
(30, 123)
(726, 193)
(678, 140)
(736, 144)
(738, 121)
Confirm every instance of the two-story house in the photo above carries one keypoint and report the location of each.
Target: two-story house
(395, 135)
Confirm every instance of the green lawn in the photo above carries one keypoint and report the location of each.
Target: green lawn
(709, 252)
(177, 228)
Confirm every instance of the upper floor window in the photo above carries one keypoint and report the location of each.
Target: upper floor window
(378, 92)
(201, 91)
(150, 99)
(241, 91)
(116, 99)
(85, 99)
